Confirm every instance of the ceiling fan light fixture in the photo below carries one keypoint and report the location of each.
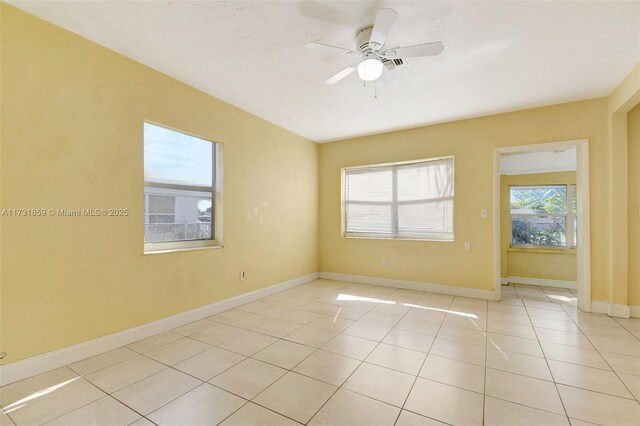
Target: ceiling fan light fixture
(370, 69)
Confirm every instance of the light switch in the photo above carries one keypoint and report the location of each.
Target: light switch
(483, 213)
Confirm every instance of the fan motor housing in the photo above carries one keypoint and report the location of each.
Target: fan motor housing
(362, 41)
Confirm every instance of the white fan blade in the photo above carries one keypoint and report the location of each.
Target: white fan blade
(340, 75)
(321, 47)
(426, 49)
(388, 79)
(385, 19)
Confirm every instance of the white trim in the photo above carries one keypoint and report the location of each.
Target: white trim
(599, 307)
(584, 224)
(39, 364)
(619, 311)
(411, 285)
(540, 281)
(614, 309)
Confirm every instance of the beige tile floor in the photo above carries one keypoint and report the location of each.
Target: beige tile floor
(337, 353)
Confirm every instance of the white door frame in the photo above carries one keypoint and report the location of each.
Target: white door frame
(584, 223)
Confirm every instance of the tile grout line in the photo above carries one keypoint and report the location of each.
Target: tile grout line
(546, 361)
(424, 361)
(316, 349)
(608, 364)
(362, 362)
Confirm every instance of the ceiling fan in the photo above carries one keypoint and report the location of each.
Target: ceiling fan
(370, 48)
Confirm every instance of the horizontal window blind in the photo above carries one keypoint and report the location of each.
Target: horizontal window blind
(407, 200)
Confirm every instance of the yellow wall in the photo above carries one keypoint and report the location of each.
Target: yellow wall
(472, 142)
(633, 122)
(71, 137)
(620, 102)
(551, 264)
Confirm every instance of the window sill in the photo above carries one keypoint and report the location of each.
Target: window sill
(165, 250)
(376, 237)
(543, 250)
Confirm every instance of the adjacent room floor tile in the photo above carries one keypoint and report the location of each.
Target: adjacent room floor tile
(204, 405)
(380, 383)
(350, 409)
(248, 378)
(296, 396)
(445, 403)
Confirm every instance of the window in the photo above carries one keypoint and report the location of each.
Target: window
(182, 187)
(543, 215)
(411, 200)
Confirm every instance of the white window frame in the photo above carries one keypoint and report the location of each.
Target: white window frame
(216, 207)
(438, 237)
(568, 215)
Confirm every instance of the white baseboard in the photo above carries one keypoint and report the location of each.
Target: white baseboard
(412, 285)
(599, 307)
(39, 364)
(614, 309)
(539, 281)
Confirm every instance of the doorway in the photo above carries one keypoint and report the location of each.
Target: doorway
(530, 230)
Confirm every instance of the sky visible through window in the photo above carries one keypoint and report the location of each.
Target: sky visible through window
(176, 157)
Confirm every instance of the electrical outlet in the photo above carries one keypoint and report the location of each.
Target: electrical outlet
(467, 245)
(243, 275)
(384, 263)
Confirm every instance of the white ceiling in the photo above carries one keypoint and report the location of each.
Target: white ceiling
(522, 163)
(499, 56)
